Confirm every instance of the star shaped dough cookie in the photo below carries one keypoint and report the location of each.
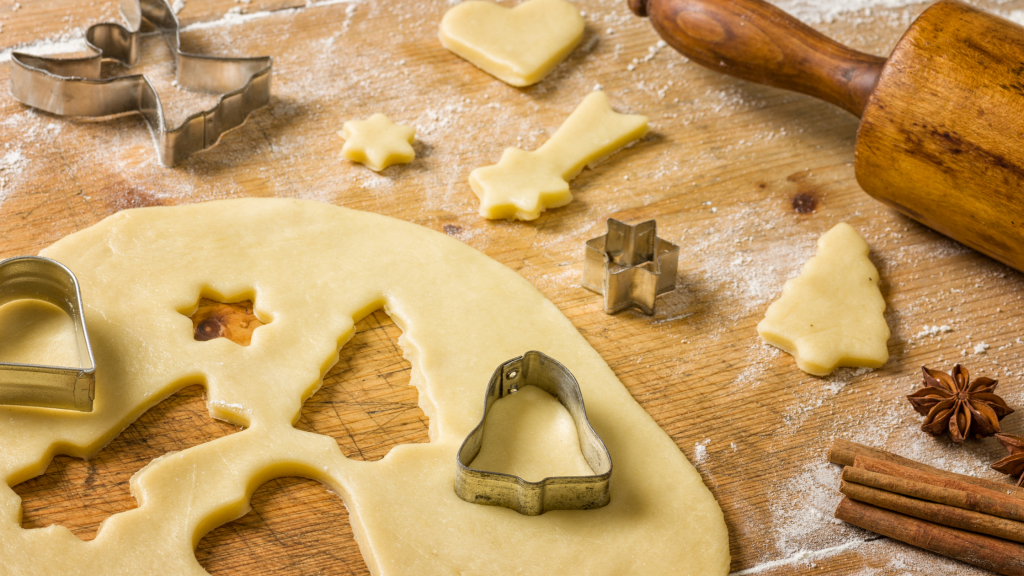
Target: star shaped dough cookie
(523, 184)
(377, 142)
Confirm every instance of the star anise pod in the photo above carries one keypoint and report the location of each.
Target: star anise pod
(1014, 463)
(951, 401)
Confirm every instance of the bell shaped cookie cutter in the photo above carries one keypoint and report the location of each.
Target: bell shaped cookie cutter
(67, 388)
(631, 266)
(73, 87)
(554, 493)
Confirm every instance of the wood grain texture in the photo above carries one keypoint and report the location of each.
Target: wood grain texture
(754, 40)
(950, 156)
(234, 321)
(80, 494)
(776, 167)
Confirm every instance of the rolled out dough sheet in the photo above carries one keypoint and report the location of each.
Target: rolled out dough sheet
(315, 270)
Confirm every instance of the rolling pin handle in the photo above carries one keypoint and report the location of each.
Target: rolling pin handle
(639, 7)
(755, 41)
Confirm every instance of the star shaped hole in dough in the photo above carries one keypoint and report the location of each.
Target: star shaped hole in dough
(234, 320)
(377, 142)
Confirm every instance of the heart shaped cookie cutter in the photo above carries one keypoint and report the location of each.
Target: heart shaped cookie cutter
(554, 493)
(67, 388)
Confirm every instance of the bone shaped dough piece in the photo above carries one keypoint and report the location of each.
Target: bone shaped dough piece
(524, 184)
(316, 269)
(518, 46)
(832, 314)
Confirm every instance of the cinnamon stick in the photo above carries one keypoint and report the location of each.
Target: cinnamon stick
(937, 513)
(916, 484)
(844, 453)
(999, 556)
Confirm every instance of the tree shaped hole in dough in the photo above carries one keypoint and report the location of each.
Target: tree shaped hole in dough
(519, 45)
(832, 314)
(316, 269)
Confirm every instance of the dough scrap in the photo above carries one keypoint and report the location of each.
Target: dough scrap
(831, 315)
(524, 184)
(377, 142)
(314, 270)
(519, 45)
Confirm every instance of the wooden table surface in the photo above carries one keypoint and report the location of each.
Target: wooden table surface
(744, 178)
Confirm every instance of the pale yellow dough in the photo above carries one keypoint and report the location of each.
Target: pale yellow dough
(37, 332)
(377, 142)
(524, 184)
(832, 315)
(519, 45)
(315, 269)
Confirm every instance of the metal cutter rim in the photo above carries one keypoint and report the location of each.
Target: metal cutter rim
(630, 266)
(552, 493)
(40, 385)
(72, 87)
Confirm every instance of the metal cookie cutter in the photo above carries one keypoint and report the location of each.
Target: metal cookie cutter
(631, 266)
(73, 87)
(555, 493)
(68, 388)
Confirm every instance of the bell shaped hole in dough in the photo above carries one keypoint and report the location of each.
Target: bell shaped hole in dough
(531, 435)
(294, 528)
(367, 402)
(80, 495)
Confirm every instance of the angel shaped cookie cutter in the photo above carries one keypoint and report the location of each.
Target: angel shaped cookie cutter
(554, 493)
(64, 387)
(73, 87)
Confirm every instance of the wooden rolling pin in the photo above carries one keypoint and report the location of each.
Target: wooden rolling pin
(941, 136)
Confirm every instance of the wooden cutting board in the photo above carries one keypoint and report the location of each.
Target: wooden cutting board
(744, 178)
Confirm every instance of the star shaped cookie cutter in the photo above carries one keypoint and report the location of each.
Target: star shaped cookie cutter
(631, 266)
(554, 493)
(64, 387)
(73, 87)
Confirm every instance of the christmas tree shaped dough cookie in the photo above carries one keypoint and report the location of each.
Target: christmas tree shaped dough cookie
(524, 184)
(518, 46)
(377, 142)
(832, 314)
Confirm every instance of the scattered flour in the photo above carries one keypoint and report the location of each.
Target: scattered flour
(700, 451)
(933, 331)
(827, 11)
(737, 257)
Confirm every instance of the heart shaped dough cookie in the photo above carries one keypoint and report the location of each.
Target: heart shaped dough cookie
(518, 46)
